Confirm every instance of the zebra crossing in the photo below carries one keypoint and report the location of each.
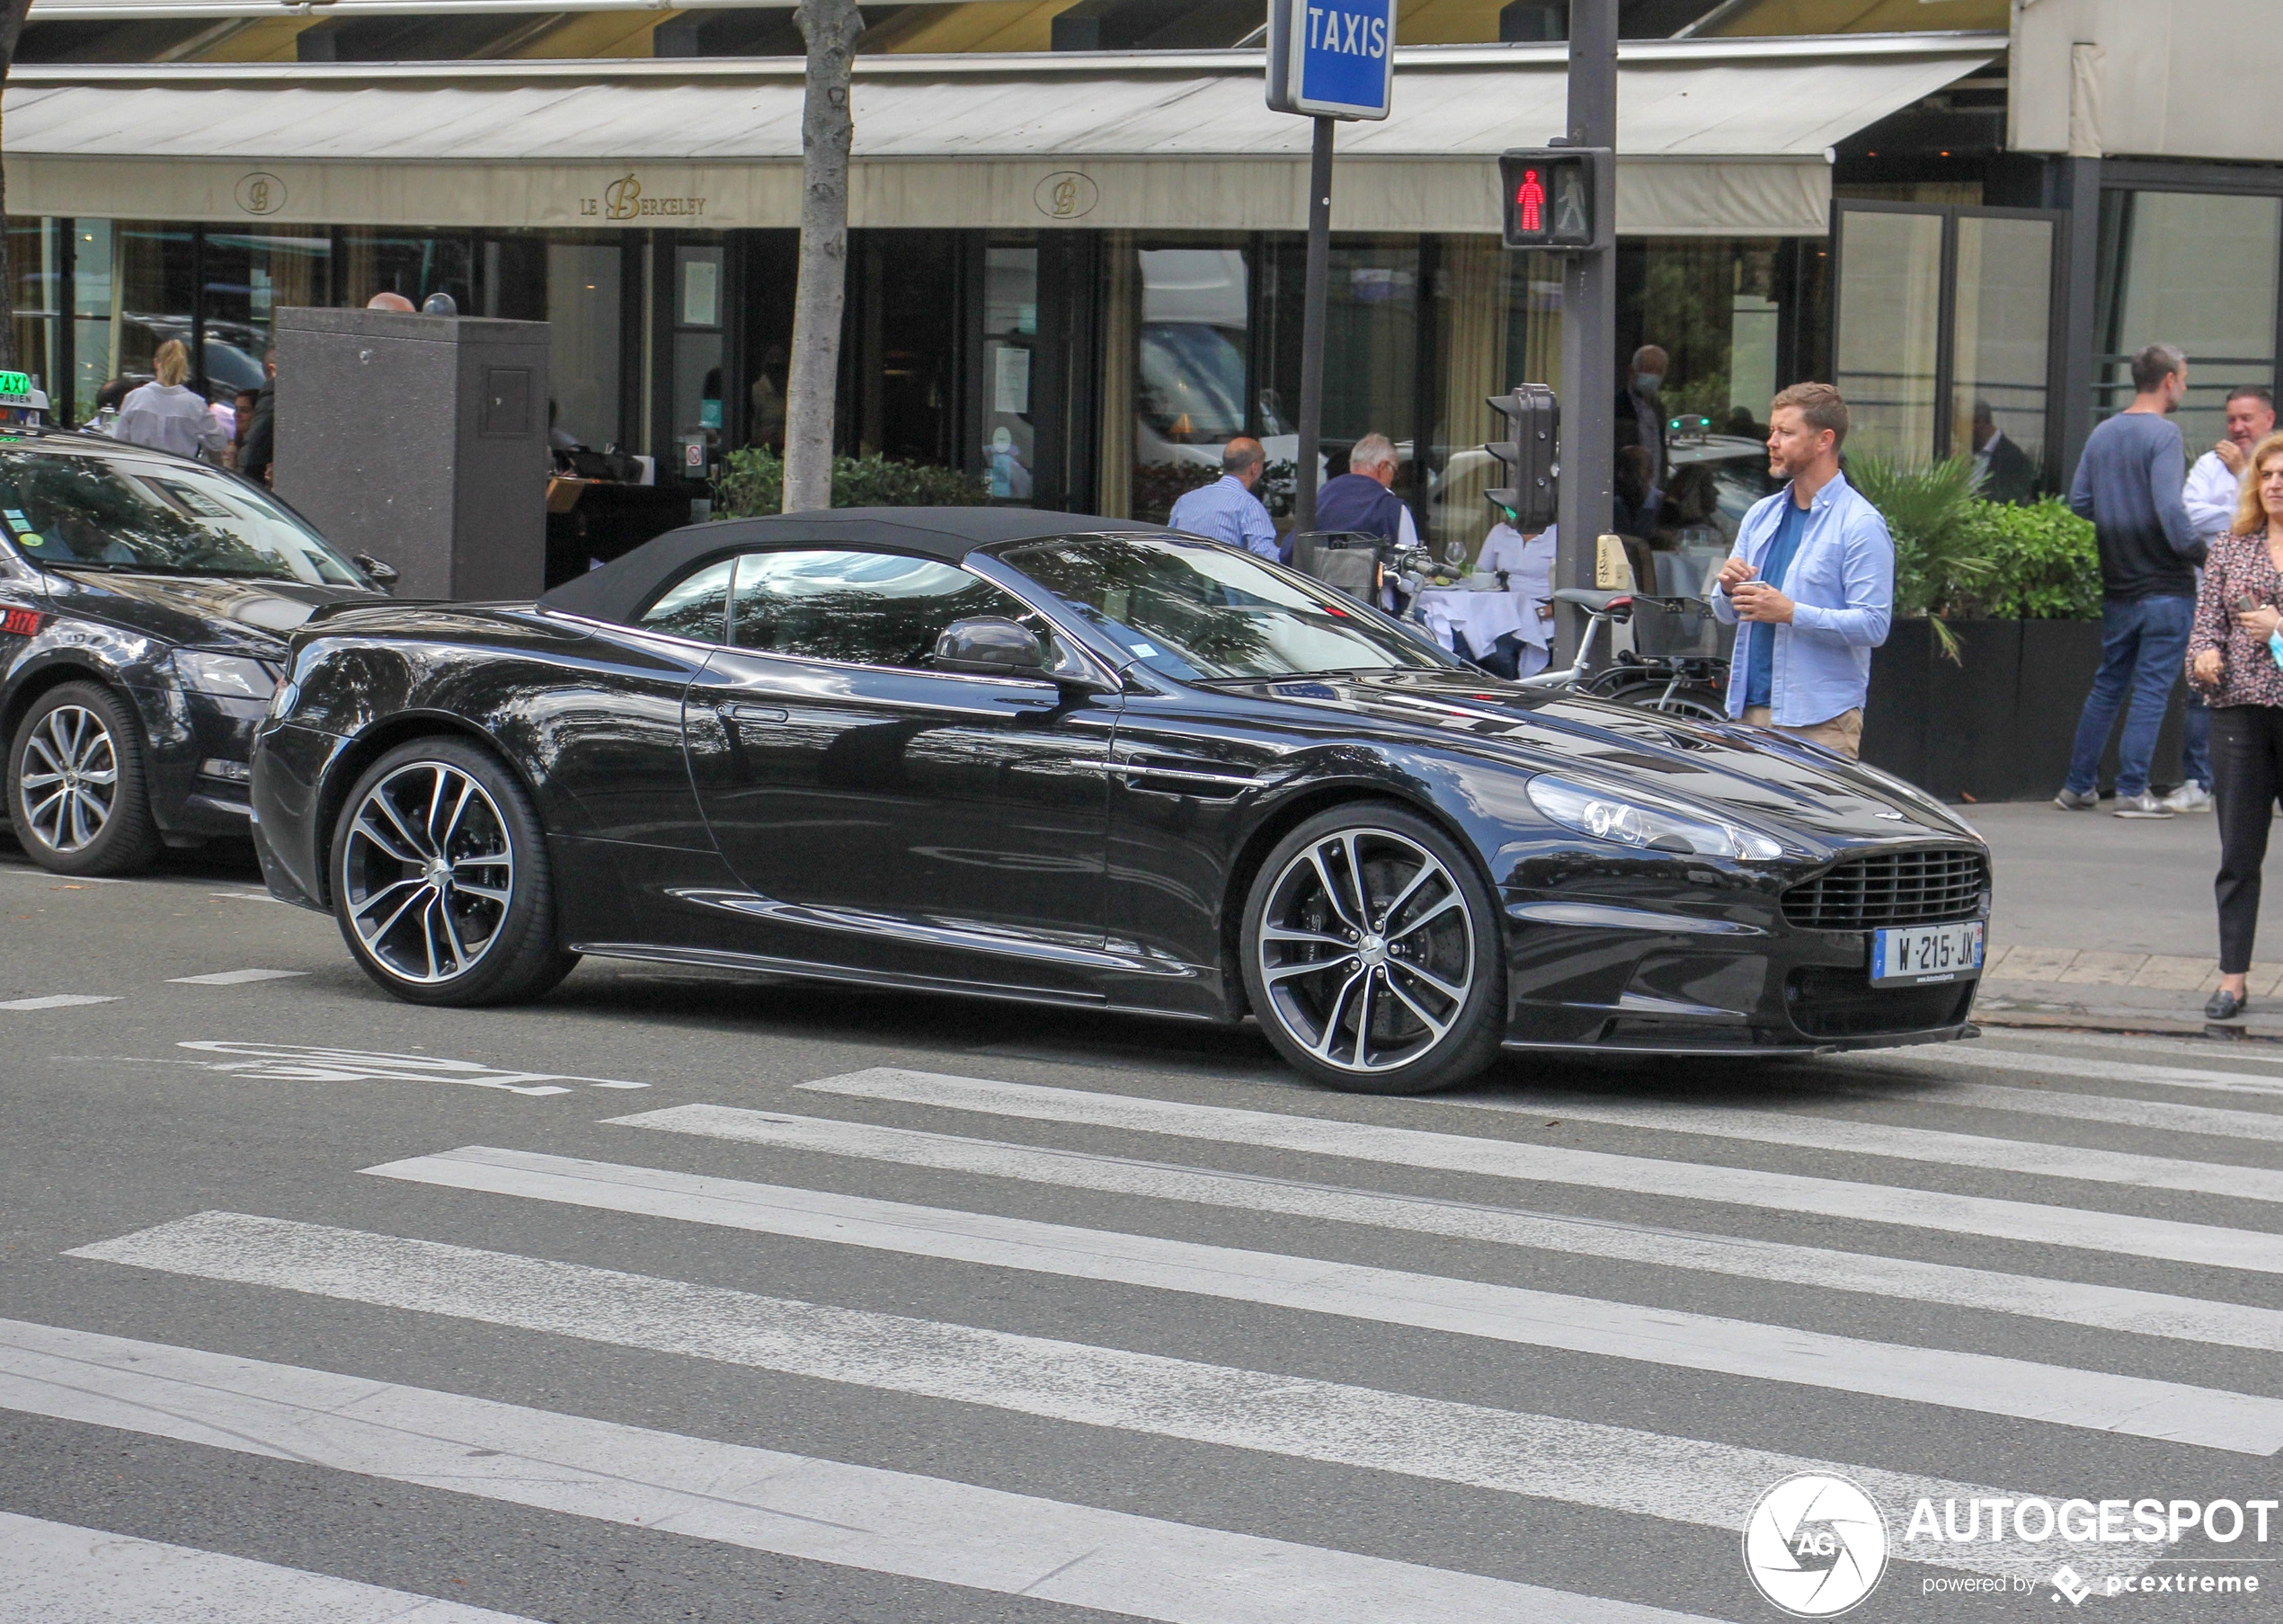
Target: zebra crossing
(1612, 1350)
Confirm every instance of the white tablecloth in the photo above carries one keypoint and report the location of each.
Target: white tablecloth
(1481, 617)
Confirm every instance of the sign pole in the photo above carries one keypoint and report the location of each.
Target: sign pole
(1588, 319)
(1311, 340)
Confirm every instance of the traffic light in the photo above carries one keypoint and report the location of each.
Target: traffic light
(1532, 414)
(1553, 197)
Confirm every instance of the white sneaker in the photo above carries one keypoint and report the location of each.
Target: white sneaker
(2191, 796)
(2142, 806)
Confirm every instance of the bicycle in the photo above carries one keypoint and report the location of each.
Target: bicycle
(1691, 684)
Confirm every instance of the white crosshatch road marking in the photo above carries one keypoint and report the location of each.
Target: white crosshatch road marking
(1984, 1216)
(1617, 1468)
(1980, 1382)
(233, 978)
(1905, 1144)
(2107, 1071)
(852, 1516)
(316, 1063)
(56, 1000)
(59, 1573)
(1984, 1290)
(2122, 1110)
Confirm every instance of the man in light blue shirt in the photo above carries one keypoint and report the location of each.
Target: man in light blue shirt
(1810, 584)
(1226, 509)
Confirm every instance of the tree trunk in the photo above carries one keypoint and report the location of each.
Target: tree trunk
(12, 15)
(831, 28)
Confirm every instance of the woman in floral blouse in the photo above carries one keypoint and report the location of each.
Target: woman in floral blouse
(2231, 661)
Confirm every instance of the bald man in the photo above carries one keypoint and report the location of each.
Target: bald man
(1227, 510)
(392, 301)
(1640, 409)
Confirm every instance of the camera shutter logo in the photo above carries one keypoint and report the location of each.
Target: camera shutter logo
(1814, 1544)
(261, 192)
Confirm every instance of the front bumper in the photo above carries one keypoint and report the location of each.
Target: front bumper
(189, 736)
(1638, 977)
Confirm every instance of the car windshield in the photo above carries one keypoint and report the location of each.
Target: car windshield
(166, 518)
(1200, 611)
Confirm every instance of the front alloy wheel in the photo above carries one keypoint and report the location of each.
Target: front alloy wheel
(439, 879)
(431, 873)
(77, 790)
(1372, 954)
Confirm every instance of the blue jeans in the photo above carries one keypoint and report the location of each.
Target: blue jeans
(2142, 643)
(2196, 741)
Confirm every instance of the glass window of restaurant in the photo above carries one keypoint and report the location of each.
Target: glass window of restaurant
(245, 277)
(36, 250)
(2194, 269)
(136, 288)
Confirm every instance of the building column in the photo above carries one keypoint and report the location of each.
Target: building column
(2075, 187)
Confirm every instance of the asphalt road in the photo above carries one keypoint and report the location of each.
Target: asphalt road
(315, 1306)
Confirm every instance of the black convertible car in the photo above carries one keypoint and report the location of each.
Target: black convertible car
(145, 602)
(1092, 763)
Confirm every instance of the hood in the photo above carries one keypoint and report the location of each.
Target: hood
(253, 617)
(1770, 783)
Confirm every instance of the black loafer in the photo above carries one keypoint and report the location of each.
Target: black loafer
(2226, 1006)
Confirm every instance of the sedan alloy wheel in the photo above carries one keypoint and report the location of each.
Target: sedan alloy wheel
(70, 778)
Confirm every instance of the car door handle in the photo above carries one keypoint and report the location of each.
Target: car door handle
(739, 711)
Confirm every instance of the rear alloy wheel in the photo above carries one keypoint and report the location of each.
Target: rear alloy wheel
(77, 790)
(441, 879)
(1372, 954)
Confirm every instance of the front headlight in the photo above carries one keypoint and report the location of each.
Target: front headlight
(231, 676)
(1604, 817)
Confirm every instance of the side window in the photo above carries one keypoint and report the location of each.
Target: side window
(865, 608)
(695, 605)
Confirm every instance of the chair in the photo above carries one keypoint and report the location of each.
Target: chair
(1348, 560)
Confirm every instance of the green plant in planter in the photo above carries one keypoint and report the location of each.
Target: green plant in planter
(1941, 544)
(752, 485)
(2045, 564)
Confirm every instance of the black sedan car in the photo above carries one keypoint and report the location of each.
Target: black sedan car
(145, 603)
(1090, 763)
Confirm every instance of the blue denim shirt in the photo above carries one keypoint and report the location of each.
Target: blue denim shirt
(1843, 583)
(1226, 511)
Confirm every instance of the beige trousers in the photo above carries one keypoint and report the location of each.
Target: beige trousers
(1843, 732)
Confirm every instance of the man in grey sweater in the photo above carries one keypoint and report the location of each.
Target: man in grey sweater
(2128, 484)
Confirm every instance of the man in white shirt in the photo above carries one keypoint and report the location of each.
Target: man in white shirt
(2214, 485)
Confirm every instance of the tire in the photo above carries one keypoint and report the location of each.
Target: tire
(1429, 1008)
(1697, 704)
(439, 879)
(78, 793)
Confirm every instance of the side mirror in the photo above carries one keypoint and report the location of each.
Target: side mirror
(382, 575)
(991, 646)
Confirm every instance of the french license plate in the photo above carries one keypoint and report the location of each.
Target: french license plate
(1923, 953)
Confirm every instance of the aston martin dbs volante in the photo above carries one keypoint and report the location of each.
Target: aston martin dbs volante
(1093, 763)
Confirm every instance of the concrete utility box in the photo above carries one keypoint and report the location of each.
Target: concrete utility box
(422, 440)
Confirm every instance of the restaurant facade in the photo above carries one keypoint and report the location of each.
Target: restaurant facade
(1075, 272)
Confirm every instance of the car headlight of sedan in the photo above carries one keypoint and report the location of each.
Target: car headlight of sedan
(1607, 817)
(230, 676)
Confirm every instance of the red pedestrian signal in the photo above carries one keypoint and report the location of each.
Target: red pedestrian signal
(1554, 197)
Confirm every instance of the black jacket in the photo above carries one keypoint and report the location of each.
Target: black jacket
(260, 439)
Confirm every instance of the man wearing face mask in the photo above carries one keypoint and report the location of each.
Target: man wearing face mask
(1640, 411)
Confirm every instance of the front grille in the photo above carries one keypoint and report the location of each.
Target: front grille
(1892, 887)
(1843, 1003)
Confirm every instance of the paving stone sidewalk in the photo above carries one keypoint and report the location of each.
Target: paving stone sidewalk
(2109, 922)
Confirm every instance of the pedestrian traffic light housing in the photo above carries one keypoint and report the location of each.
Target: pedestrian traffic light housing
(1526, 455)
(1556, 197)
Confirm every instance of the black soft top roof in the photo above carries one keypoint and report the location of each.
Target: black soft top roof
(620, 589)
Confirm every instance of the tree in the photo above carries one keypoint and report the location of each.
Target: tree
(828, 125)
(12, 15)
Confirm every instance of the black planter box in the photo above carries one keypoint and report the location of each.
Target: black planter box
(1998, 724)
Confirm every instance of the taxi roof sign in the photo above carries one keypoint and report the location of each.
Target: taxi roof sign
(16, 390)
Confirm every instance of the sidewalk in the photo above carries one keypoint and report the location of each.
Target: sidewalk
(2108, 922)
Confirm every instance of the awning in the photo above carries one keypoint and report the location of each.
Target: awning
(1716, 137)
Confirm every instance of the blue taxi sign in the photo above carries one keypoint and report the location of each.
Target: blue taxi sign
(1331, 58)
